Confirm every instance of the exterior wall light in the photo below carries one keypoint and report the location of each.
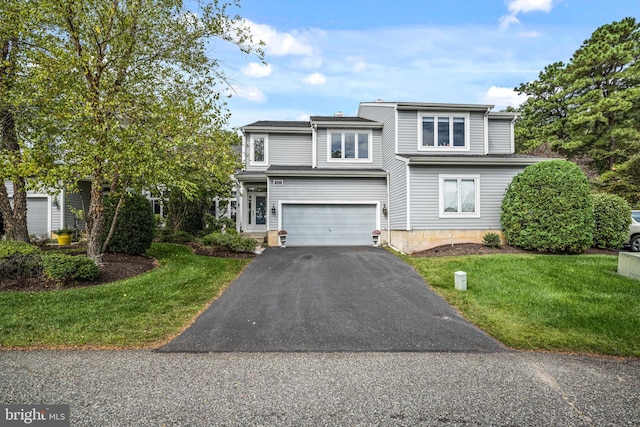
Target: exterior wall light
(273, 209)
(384, 209)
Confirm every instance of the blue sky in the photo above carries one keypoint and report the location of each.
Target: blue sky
(327, 56)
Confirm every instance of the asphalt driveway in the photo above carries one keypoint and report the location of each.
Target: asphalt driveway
(330, 299)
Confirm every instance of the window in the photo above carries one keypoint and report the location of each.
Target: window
(349, 146)
(437, 131)
(259, 149)
(459, 196)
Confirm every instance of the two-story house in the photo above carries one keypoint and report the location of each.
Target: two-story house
(423, 174)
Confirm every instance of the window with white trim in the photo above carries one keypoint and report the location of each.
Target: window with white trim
(441, 131)
(460, 196)
(258, 149)
(349, 146)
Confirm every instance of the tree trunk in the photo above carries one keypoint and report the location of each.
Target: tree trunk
(95, 220)
(15, 218)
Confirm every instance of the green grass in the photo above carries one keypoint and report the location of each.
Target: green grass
(142, 311)
(544, 302)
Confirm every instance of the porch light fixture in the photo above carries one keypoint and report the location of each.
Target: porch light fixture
(384, 209)
(273, 209)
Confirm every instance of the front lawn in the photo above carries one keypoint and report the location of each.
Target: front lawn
(137, 312)
(544, 302)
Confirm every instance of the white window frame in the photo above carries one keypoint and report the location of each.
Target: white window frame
(450, 116)
(442, 213)
(252, 149)
(356, 132)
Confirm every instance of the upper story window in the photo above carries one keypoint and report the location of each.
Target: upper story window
(258, 153)
(443, 132)
(350, 146)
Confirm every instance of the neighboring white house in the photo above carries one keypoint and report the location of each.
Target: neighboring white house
(424, 174)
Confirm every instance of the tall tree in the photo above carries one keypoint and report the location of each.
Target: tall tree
(134, 97)
(589, 107)
(15, 36)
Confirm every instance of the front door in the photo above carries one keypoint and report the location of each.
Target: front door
(257, 211)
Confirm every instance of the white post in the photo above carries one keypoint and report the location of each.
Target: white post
(461, 280)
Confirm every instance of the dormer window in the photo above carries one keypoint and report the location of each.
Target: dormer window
(258, 149)
(443, 132)
(349, 146)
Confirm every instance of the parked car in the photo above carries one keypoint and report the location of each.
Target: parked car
(634, 231)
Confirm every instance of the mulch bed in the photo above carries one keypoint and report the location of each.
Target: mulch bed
(480, 249)
(209, 251)
(115, 267)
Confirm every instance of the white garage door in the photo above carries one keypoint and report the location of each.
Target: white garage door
(37, 215)
(328, 225)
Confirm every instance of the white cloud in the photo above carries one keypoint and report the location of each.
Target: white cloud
(358, 64)
(506, 21)
(504, 97)
(315, 79)
(526, 6)
(280, 43)
(529, 34)
(303, 117)
(255, 69)
(516, 7)
(249, 93)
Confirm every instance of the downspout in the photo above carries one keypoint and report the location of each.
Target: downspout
(513, 134)
(240, 207)
(244, 146)
(314, 146)
(63, 203)
(388, 210)
(486, 131)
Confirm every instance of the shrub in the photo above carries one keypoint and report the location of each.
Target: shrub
(181, 237)
(19, 260)
(612, 217)
(10, 247)
(167, 235)
(492, 240)
(135, 225)
(548, 208)
(68, 269)
(230, 242)
(214, 224)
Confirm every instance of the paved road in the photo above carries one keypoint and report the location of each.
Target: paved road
(331, 299)
(142, 388)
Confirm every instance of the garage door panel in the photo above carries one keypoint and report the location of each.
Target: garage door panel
(37, 217)
(333, 225)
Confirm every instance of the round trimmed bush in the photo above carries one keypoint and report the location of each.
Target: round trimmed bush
(135, 225)
(612, 218)
(548, 207)
(69, 268)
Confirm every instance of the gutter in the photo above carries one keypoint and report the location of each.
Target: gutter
(486, 132)
(327, 173)
(475, 161)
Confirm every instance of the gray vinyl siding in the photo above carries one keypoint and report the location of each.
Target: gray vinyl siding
(396, 168)
(74, 201)
(324, 190)
(499, 137)
(408, 133)
(290, 149)
(322, 150)
(425, 197)
(282, 149)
